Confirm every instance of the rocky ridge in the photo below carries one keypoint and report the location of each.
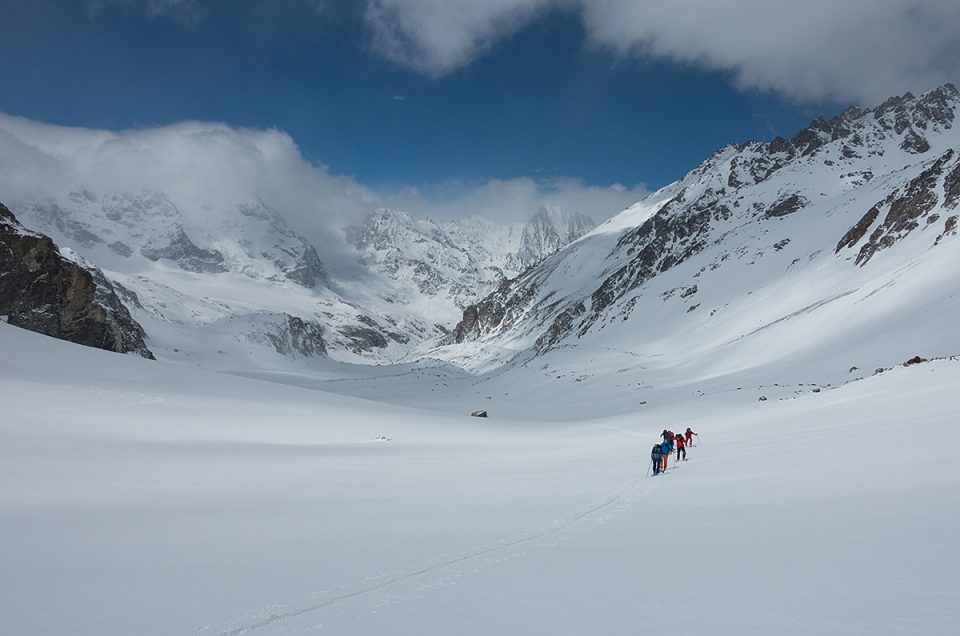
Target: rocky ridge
(43, 290)
(887, 176)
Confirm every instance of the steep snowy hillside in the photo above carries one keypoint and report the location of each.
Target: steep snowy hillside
(837, 247)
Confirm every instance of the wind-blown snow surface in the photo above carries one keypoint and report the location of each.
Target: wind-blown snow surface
(148, 498)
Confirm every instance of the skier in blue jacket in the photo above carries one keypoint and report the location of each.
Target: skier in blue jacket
(664, 455)
(656, 455)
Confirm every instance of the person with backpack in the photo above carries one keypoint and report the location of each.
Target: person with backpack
(689, 434)
(656, 455)
(664, 455)
(681, 448)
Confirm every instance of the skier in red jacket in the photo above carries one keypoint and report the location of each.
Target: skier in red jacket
(681, 448)
(689, 435)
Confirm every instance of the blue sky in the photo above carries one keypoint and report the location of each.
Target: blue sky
(539, 104)
(421, 93)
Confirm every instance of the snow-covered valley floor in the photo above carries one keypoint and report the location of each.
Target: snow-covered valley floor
(146, 498)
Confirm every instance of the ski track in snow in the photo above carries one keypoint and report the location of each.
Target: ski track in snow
(559, 532)
(804, 310)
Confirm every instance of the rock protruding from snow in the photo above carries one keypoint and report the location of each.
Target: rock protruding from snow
(181, 250)
(291, 335)
(905, 208)
(43, 291)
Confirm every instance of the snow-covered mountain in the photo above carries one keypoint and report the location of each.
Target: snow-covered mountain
(455, 262)
(830, 241)
(444, 266)
(231, 284)
(551, 229)
(837, 245)
(219, 285)
(251, 238)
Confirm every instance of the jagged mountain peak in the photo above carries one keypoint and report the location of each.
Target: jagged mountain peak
(550, 229)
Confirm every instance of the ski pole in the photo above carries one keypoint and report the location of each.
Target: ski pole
(649, 468)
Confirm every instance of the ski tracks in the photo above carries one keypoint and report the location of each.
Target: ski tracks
(450, 566)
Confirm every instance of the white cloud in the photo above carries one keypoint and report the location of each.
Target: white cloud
(438, 36)
(861, 50)
(517, 199)
(857, 50)
(210, 166)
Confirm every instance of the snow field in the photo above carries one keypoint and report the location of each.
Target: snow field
(152, 499)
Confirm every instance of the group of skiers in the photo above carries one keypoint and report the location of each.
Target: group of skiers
(662, 451)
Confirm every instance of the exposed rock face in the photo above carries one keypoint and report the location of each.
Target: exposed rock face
(786, 205)
(469, 327)
(294, 335)
(42, 291)
(308, 269)
(859, 230)
(667, 239)
(498, 311)
(905, 208)
(182, 251)
(369, 335)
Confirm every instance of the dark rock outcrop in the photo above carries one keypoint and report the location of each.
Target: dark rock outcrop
(187, 255)
(45, 292)
(678, 232)
(299, 336)
(308, 270)
(786, 205)
(858, 231)
(951, 188)
(500, 310)
(905, 207)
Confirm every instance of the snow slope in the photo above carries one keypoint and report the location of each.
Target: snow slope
(152, 499)
(796, 259)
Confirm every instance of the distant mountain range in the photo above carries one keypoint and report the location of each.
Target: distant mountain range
(234, 286)
(837, 244)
